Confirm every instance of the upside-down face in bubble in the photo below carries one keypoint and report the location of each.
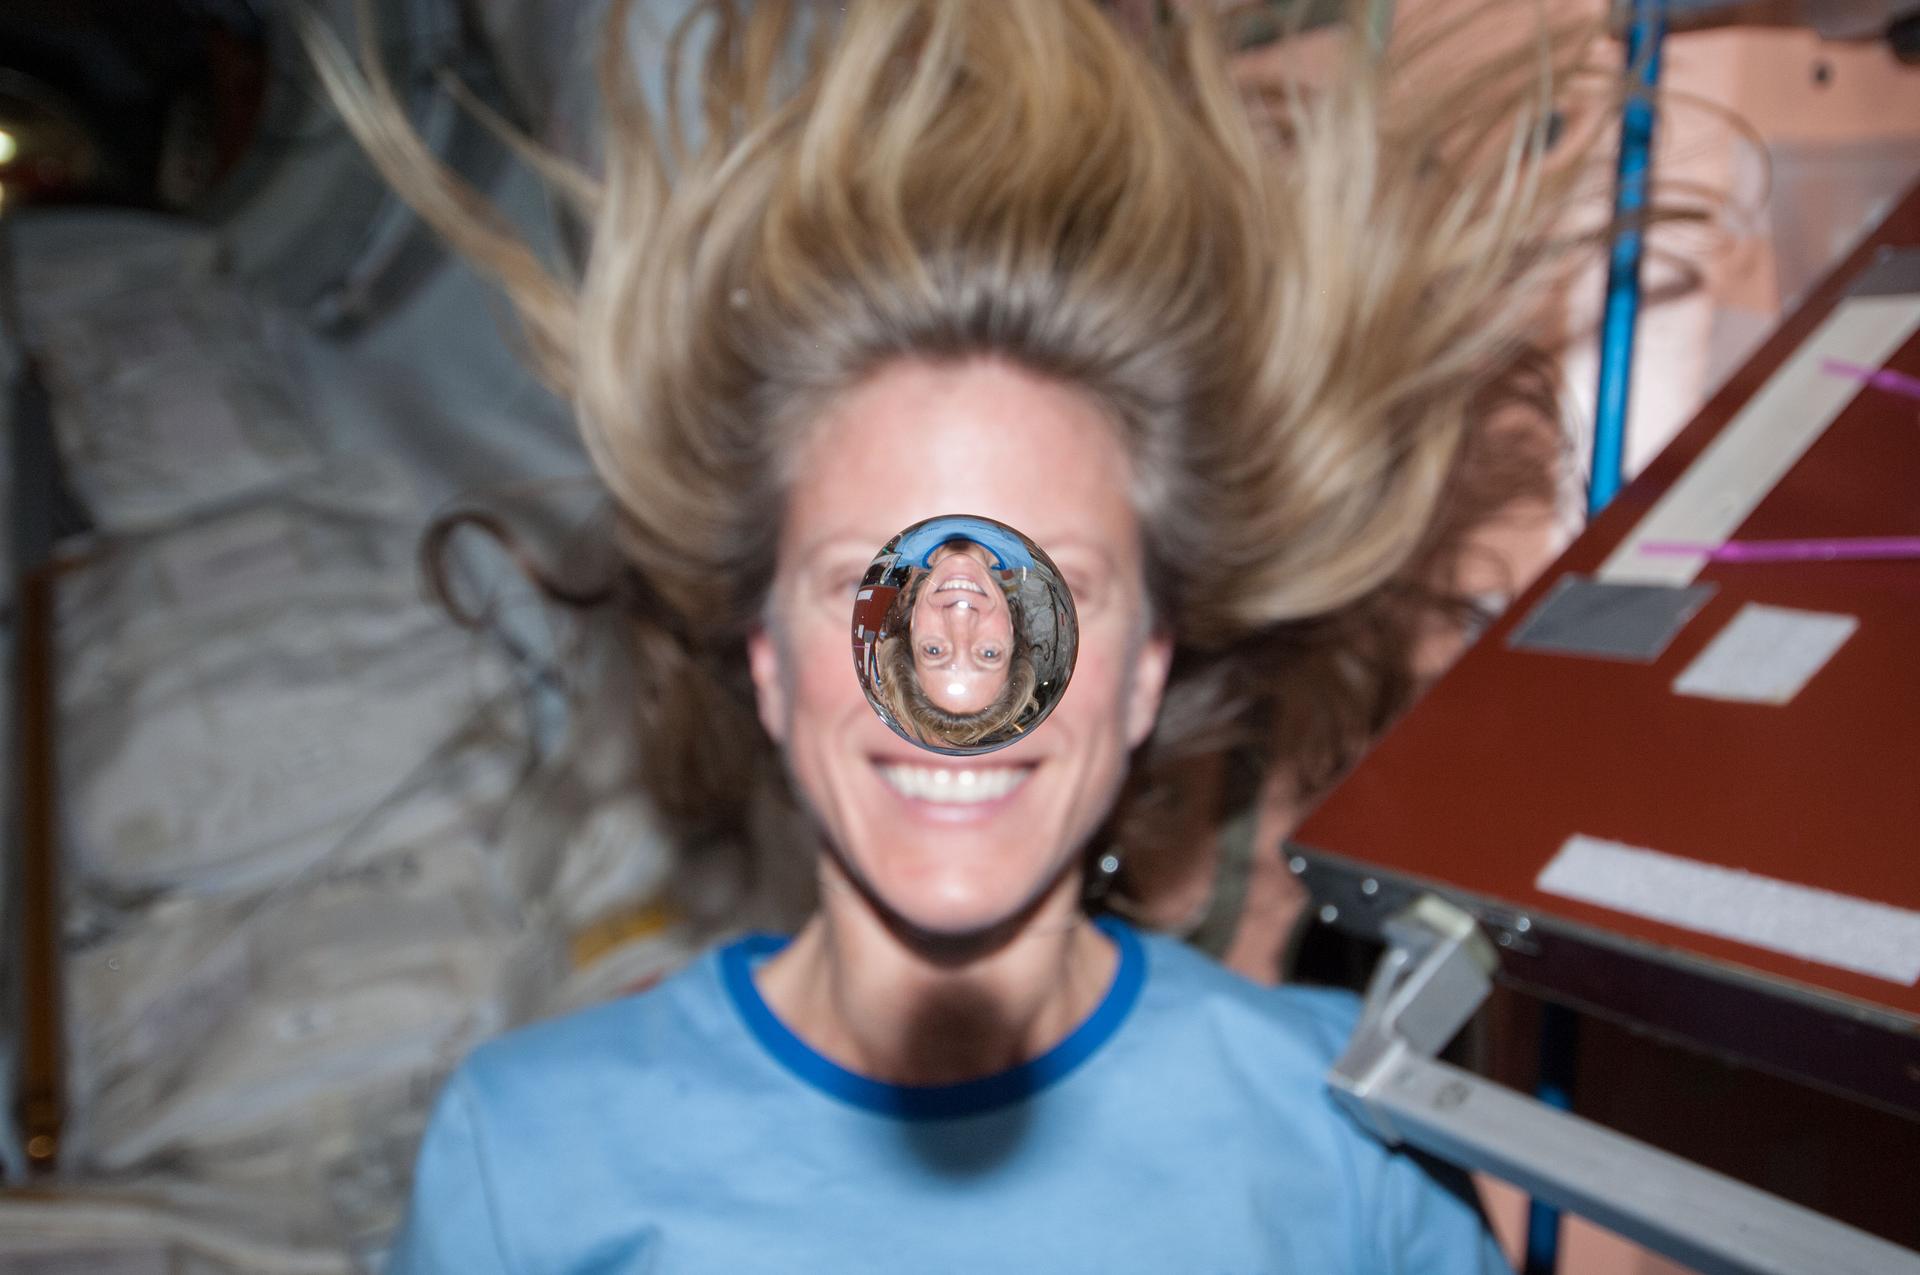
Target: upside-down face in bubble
(978, 638)
(962, 630)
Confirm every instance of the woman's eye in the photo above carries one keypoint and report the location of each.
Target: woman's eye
(1088, 587)
(837, 584)
(931, 650)
(989, 652)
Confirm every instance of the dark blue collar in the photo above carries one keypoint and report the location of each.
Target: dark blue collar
(932, 1102)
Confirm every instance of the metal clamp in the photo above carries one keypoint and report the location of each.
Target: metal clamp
(1435, 974)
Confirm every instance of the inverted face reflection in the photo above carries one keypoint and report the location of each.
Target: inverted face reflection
(964, 634)
(961, 628)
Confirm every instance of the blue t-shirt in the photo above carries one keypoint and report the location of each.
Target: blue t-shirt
(1003, 542)
(1184, 1127)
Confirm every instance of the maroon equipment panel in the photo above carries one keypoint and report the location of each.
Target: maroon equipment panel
(1515, 751)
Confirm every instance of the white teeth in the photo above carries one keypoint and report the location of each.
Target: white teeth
(952, 786)
(961, 582)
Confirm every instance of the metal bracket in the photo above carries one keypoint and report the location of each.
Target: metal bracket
(1435, 974)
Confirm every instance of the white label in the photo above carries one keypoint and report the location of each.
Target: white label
(1766, 655)
(1801, 921)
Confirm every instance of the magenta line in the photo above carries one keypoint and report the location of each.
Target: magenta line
(1836, 550)
(1880, 378)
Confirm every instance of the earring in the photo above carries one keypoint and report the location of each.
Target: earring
(1100, 877)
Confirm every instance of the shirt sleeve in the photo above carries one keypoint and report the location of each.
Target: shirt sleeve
(1431, 1221)
(452, 1227)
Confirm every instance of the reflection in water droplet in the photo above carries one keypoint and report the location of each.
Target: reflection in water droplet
(964, 634)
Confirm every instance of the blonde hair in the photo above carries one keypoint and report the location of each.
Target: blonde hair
(1294, 308)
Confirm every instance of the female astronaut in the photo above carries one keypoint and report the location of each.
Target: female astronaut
(1217, 355)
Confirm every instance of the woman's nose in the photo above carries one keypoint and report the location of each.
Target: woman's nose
(963, 614)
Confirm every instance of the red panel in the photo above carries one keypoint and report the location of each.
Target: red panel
(1478, 787)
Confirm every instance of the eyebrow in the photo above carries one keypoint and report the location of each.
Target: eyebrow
(826, 544)
(837, 542)
(1097, 549)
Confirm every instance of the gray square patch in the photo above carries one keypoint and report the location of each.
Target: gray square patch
(1610, 621)
(1893, 272)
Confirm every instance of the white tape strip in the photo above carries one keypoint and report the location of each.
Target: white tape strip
(1764, 440)
(1798, 920)
(1766, 655)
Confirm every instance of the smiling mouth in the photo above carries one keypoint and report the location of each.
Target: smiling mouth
(945, 785)
(961, 582)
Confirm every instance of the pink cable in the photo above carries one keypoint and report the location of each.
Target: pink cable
(1833, 550)
(1880, 378)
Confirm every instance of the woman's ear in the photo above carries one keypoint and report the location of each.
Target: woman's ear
(769, 683)
(1150, 667)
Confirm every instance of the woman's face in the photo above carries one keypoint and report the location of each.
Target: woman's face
(957, 845)
(962, 630)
